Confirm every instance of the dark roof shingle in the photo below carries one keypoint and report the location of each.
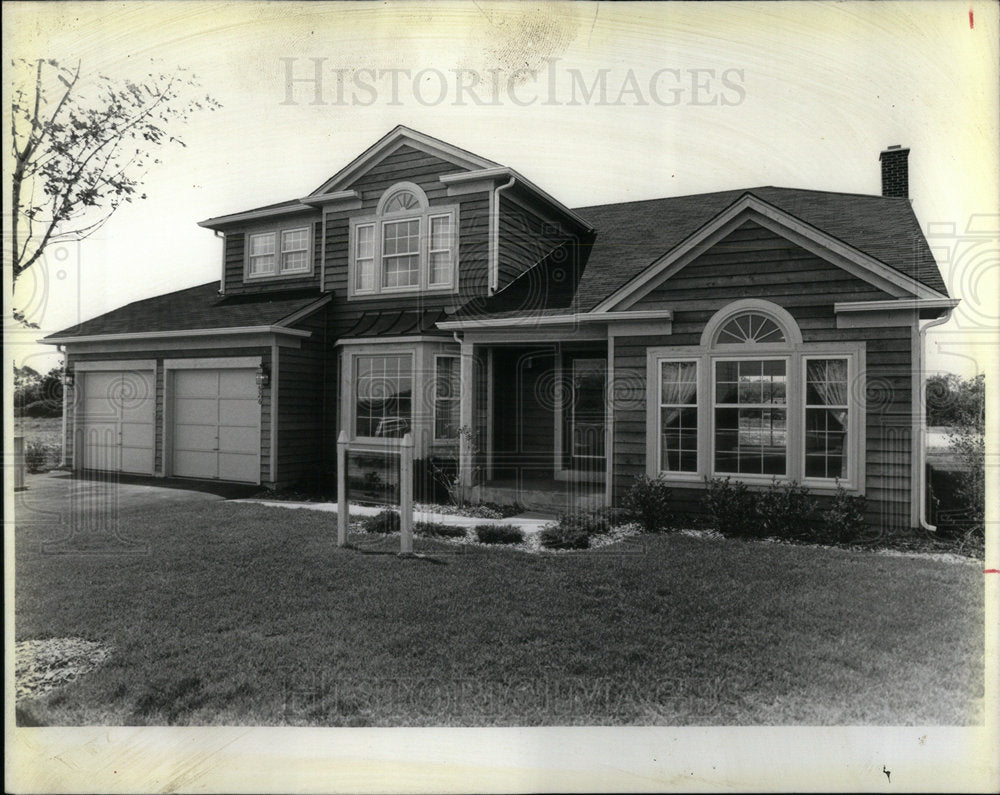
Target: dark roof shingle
(198, 307)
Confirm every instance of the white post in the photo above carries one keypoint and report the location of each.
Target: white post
(466, 415)
(342, 507)
(406, 495)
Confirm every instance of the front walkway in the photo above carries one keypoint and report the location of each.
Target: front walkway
(530, 522)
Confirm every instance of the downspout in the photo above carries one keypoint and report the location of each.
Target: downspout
(494, 264)
(922, 414)
(222, 278)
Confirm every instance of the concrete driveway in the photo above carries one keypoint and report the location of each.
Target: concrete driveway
(52, 497)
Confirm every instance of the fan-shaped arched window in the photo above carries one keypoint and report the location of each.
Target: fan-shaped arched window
(751, 327)
(407, 246)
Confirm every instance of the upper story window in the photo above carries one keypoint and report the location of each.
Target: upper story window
(281, 252)
(407, 246)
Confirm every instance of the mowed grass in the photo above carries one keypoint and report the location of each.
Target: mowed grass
(245, 614)
(47, 430)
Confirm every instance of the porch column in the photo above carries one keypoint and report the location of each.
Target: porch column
(466, 403)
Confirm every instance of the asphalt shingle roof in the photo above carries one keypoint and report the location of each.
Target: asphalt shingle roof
(194, 308)
(632, 235)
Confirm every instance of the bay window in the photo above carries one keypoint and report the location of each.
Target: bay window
(754, 402)
(383, 395)
(447, 386)
(407, 246)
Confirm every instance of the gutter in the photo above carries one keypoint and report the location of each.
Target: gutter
(494, 264)
(922, 415)
(200, 332)
(555, 320)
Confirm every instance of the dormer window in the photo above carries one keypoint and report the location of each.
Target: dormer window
(279, 252)
(407, 246)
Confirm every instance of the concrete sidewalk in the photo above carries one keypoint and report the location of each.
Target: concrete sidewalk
(529, 522)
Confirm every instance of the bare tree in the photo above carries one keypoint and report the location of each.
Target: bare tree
(81, 150)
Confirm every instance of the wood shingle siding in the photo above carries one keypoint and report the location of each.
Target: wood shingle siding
(410, 165)
(235, 255)
(302, 380)
(755, 263)
(527, 234)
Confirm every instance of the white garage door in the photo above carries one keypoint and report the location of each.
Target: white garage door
(115, 421)
(216, 425)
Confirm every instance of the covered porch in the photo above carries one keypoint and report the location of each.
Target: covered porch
(536, 423)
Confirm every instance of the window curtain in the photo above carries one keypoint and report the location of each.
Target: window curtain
(676, 392)
(829, 379)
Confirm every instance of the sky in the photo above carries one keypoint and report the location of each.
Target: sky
(595, 103)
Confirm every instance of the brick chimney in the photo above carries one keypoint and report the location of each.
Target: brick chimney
(895, 177)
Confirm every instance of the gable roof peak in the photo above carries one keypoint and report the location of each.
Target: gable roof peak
(396, 137)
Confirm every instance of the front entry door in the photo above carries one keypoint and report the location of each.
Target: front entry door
(586, 415)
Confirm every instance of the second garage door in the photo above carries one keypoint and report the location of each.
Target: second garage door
(216, 425)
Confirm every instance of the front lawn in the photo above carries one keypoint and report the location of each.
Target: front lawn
(248, 614)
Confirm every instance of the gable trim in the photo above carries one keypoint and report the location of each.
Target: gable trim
(391, 142)
(305, 311)
(750, 207)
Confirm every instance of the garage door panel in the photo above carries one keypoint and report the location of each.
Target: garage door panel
(194, 464)
(216, 424)
(196, 411)
(194, 437)
(234, 466)
(115, 421)
(197, 383)
(238, 440)
(137, 459)
(239, 412)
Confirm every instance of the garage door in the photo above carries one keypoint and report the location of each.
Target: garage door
(115, 421)
(216, 425)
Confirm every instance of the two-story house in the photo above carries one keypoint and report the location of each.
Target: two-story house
(759, 334)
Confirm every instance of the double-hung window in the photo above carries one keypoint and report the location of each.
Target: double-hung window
(447, 390)
(407, 246)
(383, 395)
(753, 402)
(282, 252)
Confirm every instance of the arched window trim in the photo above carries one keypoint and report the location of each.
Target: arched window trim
(780, 316)
(436, 247)
(392, 192)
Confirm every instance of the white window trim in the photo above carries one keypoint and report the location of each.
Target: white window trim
(791, 444)
(352, 406)
(423, 215)
(457, 399)
(796, 353)
(279, 233)
(654, 418)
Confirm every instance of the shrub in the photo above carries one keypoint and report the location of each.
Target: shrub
(560, 536)
(499, 534)
(36, 456)
(787, 511)
(732, 508)
(438, 529)
(648, 503)
(590, 523)
(382, 522)
(844, 519)
(40, 408)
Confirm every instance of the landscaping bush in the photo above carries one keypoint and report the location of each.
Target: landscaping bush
(844, 518)
(560, 536)
(382, 522)
(40, 408)
(40, 457)
(591, 523)
(732, 508)
(787, 511)
(499, 534)
(648, 503)
(438, 529)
